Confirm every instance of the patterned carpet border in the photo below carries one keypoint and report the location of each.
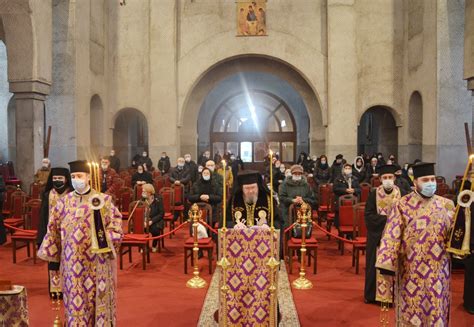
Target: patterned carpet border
(285, 301)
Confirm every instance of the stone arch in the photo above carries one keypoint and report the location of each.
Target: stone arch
(415, 127)
(5, 97)
(378, 131)
(130, 135)
(250, 63)
(96, 124)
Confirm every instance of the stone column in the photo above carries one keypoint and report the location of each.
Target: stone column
(342, 80)
(30, 97)
(469, 44)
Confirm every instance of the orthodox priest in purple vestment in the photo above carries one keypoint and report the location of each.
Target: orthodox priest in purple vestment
(413, 249)
(83, 232)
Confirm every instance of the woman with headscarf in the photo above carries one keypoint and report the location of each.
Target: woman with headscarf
(57, 186)
(141, 177)
(322, 173)
(358, 169)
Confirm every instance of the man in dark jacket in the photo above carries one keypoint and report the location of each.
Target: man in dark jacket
(180, 175)
(114, 161)
(207, 189)
(145, 161)
(336, 168)
(295, 190)
(192, 167)
(401, 182)
(164, 163)
(345, 184)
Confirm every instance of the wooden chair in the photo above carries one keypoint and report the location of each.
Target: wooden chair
(137, 192)
(156, 173)
(346, 217)
(178, 201)
(158, 183)
(375, 181)
(136, 236)
(18, 200)
(167, 181)
(365, 191)
(29, 236)
(324, 196)
(442, 189)
(167, 195)
(204, 244)
(124, 200)
(331, 215)
(359, 234)
(6, 211)
(35, 190)
(293, 245)
(127, 181)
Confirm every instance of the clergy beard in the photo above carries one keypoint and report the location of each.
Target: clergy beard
(251, 199)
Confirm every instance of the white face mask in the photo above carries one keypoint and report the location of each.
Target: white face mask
(180, 164)
(211, 168)
(206, 177)
(104, 166)
(296, 177)
(282, 169)
(144, 154)
(79, 185)
(200, 169)
(387, 184)
(187, 159)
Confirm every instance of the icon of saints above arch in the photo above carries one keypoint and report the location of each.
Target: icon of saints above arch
(251, 18)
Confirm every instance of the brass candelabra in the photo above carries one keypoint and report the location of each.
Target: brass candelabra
(303, 214)
(196, 281)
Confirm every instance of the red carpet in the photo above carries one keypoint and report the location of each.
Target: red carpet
(158, 296)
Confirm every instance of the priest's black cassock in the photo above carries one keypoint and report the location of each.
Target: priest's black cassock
(376, 210)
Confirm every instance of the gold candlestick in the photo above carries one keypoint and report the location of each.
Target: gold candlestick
(302, 283)
(196, 281)
(272, 262)
(224, 196)
(57, 305)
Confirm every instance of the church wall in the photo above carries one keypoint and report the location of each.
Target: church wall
(61, 102)
(207, 38)
(419, 72)
(454, 100)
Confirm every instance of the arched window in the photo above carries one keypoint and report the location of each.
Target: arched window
(248, 124)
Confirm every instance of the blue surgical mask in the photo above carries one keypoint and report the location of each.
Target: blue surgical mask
(428, 189)
(79, 185)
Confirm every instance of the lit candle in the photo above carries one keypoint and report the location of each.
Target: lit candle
(224, 197)
(271, 186)
(96, 165)
(90, 173)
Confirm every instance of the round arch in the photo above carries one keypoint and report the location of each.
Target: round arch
(415, 127)
(130, 135)
(378, 131)
(245, 64)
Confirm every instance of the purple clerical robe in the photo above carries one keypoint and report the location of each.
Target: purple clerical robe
(87, 276)
(413, 246)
